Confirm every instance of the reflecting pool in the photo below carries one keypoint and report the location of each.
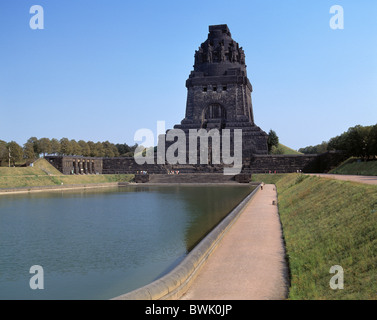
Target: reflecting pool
(100, 243)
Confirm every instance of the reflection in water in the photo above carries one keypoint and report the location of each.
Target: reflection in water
(100, 243)
(216, 202)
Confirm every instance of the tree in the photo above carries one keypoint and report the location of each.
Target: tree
(308, 150)
(372, 141)
(99, 149)
(65, 147)
(55, 146)
(337, 143)
(322, 148)
(272, 140)
(92, 147)
(3, 152)
(277, 150)
(76, 149)
(123, 149)
(131, 151)
(45, 146)
(356, 142)
(85, 149)
(15, 151)
(29, 154)
(318, 149)
(110, 149)
(35, 142)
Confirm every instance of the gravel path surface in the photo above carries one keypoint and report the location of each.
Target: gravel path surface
(249, 263)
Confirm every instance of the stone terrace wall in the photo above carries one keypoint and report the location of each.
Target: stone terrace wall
(127, 165)
(76, 164)
(325, 162)
(277, 163)
(257, 164)
(310, 163)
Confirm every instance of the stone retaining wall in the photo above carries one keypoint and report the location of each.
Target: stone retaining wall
(311, 163)
(127, 165)
(277, 163)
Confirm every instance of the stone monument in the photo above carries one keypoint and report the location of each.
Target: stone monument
(219, 92)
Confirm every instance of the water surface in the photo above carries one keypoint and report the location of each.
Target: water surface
(100, 243)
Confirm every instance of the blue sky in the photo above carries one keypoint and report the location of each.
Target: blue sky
(100, 70)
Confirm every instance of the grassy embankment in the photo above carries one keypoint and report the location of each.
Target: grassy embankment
(326, 223)
(44, 174)
(287, 150)
(357, 167)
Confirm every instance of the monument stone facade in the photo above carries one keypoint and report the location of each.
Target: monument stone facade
(219, 92)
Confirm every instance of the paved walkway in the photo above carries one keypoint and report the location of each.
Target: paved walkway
(354, 178)
(249, 262)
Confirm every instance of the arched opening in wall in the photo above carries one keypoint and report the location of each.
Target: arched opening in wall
(214, 116)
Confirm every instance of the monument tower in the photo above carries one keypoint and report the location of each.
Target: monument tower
(219, 92)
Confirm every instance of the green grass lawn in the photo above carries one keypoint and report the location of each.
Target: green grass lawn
(287, 150)
(37, 181)
(4, 171)
(357, 167)
(44, 174)
(326, 223)
(46, 167)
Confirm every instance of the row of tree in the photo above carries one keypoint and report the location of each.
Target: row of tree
(12, 152)
(358, 141)
(317, 149)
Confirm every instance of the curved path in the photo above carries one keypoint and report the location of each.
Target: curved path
(249, 263)
(354, 178)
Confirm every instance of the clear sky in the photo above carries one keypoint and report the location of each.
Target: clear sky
(100, 70)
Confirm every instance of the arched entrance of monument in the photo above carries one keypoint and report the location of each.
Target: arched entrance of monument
(214, 117)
